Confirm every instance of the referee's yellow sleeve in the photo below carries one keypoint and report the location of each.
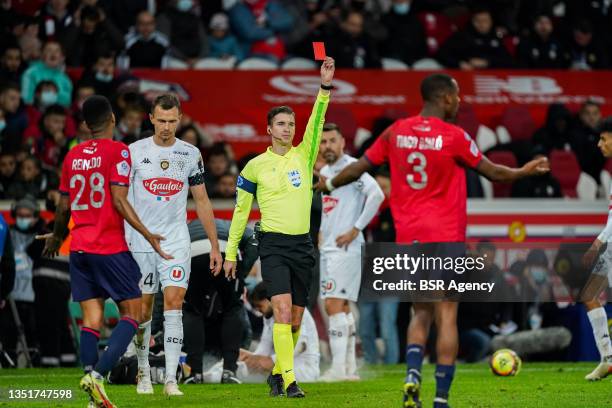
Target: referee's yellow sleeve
(246, 186)
(309, 147)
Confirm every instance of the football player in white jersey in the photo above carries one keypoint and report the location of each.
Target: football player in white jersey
(164, 171)
(346, 212)
(601, 276)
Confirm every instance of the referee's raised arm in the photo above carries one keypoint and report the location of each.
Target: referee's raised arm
(309, 147)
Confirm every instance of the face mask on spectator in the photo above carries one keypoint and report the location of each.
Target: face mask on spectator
(2, 124)
(102, 77)
(539, 274)
(184, 5)
(402, 8)
(48, 98)
(23, 223)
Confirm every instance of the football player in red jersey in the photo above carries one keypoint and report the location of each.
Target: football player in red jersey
(94, 187)
(427, 156)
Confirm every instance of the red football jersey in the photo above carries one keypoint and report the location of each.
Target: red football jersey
(428, 189)
(88, 171)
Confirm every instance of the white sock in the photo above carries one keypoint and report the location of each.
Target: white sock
(142, 339)
(173, 341)
(351, 354)
(599, 323)
(338, 341)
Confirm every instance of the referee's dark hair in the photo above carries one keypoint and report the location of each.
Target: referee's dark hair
(258, 294)
(97, 112)
(278, 109)
(166, 102)
(436, 85)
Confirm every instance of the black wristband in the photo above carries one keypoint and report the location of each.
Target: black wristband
(327, 87)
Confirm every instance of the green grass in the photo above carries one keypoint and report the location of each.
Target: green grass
(557, 385)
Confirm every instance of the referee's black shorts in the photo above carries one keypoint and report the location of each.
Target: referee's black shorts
(287, 263)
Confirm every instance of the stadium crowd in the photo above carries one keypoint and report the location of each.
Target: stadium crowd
(40, 118)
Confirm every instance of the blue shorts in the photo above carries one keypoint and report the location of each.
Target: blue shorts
(102, 276)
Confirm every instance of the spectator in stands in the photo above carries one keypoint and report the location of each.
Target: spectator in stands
(145, 46)
(406, 40)
(217, 164)
(226, 186)
(31, 48)
(49, 68)
(83, 90)
(45, 95)
(181, 24)
(478, 46)
(8, 172)
(15, 118)
(31, 180)
(555, 134)
(55, 19)
(584, 138)
(130, 125)
(192, 134)
(49, 142)
(541, 48)
(371, 12)
(90, 35)
(258, 25)
(102, 75)
(222, 43)
(586, 50)
(598, 13)
(11, 64)
(544, 186)
(351, 46)
(123, 13)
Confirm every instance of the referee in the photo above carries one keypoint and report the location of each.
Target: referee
(281, 178)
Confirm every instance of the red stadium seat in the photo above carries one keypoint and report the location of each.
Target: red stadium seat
(518, 121)
(565, 168)
(501, 190)
(437, 29)
(467, 120)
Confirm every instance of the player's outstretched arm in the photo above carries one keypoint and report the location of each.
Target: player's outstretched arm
(125, 209)
(498, 172)
(349, 174)
(207, 218)
(53, 241)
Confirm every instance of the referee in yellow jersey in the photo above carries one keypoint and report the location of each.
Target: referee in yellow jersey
(281, 179)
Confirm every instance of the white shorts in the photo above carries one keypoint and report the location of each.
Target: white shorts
(603, 264)
(156, 270)
(340, 275)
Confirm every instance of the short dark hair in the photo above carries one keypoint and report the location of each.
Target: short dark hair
(606, 125)
(97, 112)
(278, 109)
(90, 13)
(258, 293)
(436, 85)
(485, 245)
(54, 110)
(166, 102)
(589, 102)
(40, 85)
(329, 127)
(10, 86)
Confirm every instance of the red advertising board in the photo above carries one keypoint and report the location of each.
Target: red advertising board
(232, 105)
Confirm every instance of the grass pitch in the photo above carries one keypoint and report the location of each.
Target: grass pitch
(557, 385)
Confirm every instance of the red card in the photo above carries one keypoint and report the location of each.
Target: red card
(319, 51)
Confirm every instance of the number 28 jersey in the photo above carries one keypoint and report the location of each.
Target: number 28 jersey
(427, 159)
(88, 172)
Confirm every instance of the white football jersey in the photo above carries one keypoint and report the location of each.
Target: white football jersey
(159, 187)
(343, 208)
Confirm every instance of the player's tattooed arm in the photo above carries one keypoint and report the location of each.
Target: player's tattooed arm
(498, 172)
(53, 241)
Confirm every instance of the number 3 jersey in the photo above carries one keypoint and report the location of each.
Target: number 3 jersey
(88, 171)
(427, 158)
(159, 186)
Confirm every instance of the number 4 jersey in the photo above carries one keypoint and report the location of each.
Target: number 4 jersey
(160, 181)
(89, 170)
(427, 159)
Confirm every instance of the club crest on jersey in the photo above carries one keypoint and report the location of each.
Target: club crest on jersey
(295, 178)
(328, 286)
(329, 203)
(164, 164)
(163, 186)
(177, 273)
